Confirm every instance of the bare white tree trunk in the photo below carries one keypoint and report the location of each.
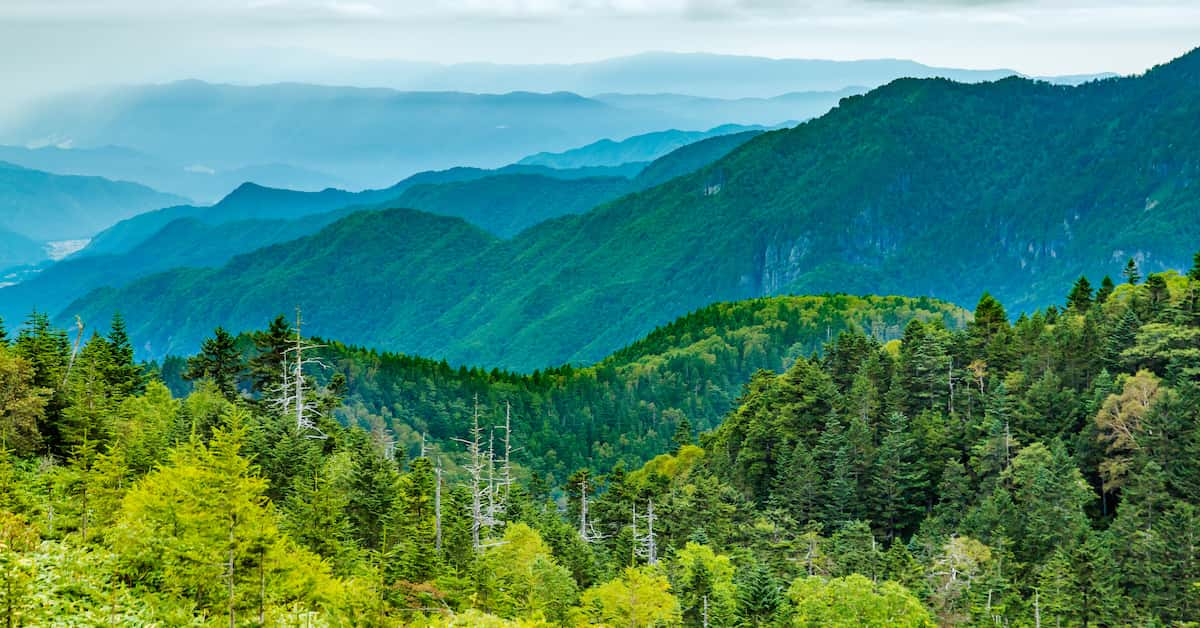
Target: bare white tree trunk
(437, 508)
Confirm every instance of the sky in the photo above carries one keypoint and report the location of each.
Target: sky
(54, 45)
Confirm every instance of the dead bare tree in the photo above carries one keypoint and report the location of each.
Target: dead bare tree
(475, 469)
(586, 531)
(645, 546)
(437, 507)
(296, 396)
(74, 349)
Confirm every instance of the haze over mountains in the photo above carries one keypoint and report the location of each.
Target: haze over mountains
(704, 75)
(503, 202)
(1049, 181)
(200, 140)
(41, 206)
(366, 137)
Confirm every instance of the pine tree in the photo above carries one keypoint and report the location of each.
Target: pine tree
(413, 523)
(1121, 337)
(683, 431)
(899, 483)
(124, 375)
(372, 495)
(1080, 298)
(1131, 273)
(758, 596)
(266, 367)
(219, 361)
(1107, 287)
(954, 496)
(797, 489)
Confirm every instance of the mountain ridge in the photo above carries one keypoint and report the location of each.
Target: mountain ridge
(1051, 181)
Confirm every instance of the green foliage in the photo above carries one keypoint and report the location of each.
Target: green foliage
(989, 473)
(855, 601)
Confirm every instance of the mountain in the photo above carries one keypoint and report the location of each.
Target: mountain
(503, 202)
(183, 242)
(690, 158)
(639, 148)
(446, 192)
(508, 204)
(201, 184)
(922, 187)
(16, 250)
(44, 206)
(249, 201)
(698, 74)
(367, 137)
(773, 111)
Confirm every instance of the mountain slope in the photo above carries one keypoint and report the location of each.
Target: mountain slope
(184, 242)
(16, 249)
(393, 244)
(44, 206)
(623, 408)
(249, 201)
(507, 204)
(204, 185)
(921, 187)
(503, 202)
(645, 147)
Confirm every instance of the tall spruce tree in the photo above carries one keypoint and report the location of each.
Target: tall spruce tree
(219, 361)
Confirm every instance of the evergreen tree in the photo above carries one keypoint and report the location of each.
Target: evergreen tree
(1106, 289)
(1131, 273)
(759, 597)
(219, 361)
(1080, 298)
(1120, 338)
(413, 523)
(372, 495)
(683, 431)
(899, 484)
(124, 375)
(266, 367)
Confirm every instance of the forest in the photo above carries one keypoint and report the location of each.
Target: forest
(788, 461)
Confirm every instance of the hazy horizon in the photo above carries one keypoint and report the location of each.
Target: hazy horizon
(55, 47)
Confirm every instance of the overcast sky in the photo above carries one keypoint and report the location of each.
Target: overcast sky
(54, 44)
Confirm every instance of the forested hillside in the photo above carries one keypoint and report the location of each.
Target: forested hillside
(1043, 471)
(183, 242)
(43, 206)
(923, 187)
(503, 202)
(622, 409)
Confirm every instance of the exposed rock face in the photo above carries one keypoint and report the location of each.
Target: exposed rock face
(781, 263)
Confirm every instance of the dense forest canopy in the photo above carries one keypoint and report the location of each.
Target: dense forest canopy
(888, 462)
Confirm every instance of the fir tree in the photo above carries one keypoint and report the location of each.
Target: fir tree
(759, 597)
(1107, 287)
(219, 361)
(899, 484)
(1080, 298)
(266, 367)
(124, 375)
(1131, 273)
